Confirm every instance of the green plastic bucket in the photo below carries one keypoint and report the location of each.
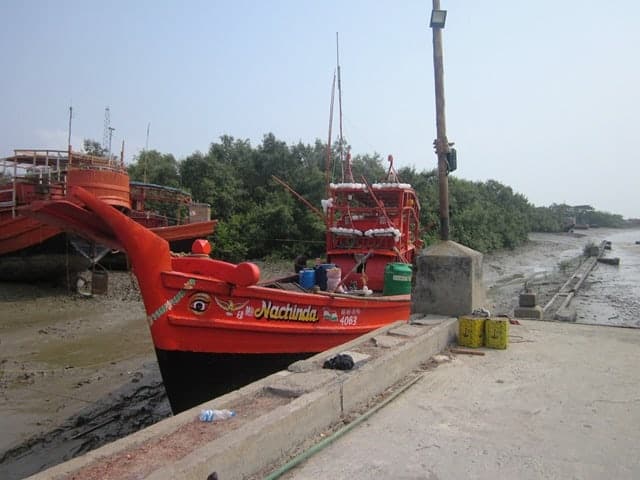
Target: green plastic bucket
(397, 279)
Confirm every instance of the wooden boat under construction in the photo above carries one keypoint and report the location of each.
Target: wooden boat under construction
(31, 250)
(215, 327)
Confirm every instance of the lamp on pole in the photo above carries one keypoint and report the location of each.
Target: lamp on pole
(441, 144)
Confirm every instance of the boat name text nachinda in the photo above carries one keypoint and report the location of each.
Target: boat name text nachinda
(294, 312)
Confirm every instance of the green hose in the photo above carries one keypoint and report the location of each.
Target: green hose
(334, 436)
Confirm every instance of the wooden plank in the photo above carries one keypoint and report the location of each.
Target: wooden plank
(465, 351)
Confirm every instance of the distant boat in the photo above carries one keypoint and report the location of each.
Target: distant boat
(31, 250)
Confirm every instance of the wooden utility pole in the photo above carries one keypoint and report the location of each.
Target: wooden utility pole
(441, 143)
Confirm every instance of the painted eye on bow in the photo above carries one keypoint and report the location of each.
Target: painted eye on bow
(199, 303)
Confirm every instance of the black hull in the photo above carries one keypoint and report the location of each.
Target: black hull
(119, 261)
(192, 378)
(53, 259)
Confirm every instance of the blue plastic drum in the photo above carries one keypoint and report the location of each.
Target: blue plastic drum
(307, 278)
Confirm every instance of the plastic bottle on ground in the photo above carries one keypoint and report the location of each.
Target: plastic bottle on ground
(211, 415)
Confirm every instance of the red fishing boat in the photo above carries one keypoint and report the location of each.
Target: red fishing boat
(169, 212)
(214, 326)
(31, 250)
(372, 228)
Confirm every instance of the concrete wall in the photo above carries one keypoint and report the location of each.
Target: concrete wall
(326, 396)
(448, 280)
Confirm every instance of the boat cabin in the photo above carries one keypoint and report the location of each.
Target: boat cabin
(380, 221)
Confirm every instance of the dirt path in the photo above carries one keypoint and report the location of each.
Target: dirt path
(78, 372)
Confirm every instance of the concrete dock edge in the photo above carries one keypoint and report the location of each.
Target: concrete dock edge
(275, 435)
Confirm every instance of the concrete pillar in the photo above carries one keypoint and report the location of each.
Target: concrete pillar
(448, 280)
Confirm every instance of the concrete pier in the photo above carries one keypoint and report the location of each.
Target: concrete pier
(275, 416)
(448, 280)
(561, 402)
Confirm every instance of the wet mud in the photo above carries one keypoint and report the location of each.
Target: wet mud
(611, 294)
(122, 412)
(77, 373)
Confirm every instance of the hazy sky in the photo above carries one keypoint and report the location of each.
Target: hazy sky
(542, 96)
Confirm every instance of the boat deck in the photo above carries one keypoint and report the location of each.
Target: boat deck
(291, 284)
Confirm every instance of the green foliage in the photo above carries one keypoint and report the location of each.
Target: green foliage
(93, 147)
(259, 218)
(154, 167)
(229, 241)
(368, 166)
(425, 184)
(544, 219)
(484, 216)
(604, 219)
(216, 178)
(559, 217)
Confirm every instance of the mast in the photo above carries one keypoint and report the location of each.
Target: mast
(345, 162)
(328, 160)
(339, 103)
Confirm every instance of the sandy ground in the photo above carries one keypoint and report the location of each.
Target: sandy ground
(69, 365)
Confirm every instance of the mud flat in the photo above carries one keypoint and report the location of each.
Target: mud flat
(66, 363)
(611, 294)
(76, 373)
